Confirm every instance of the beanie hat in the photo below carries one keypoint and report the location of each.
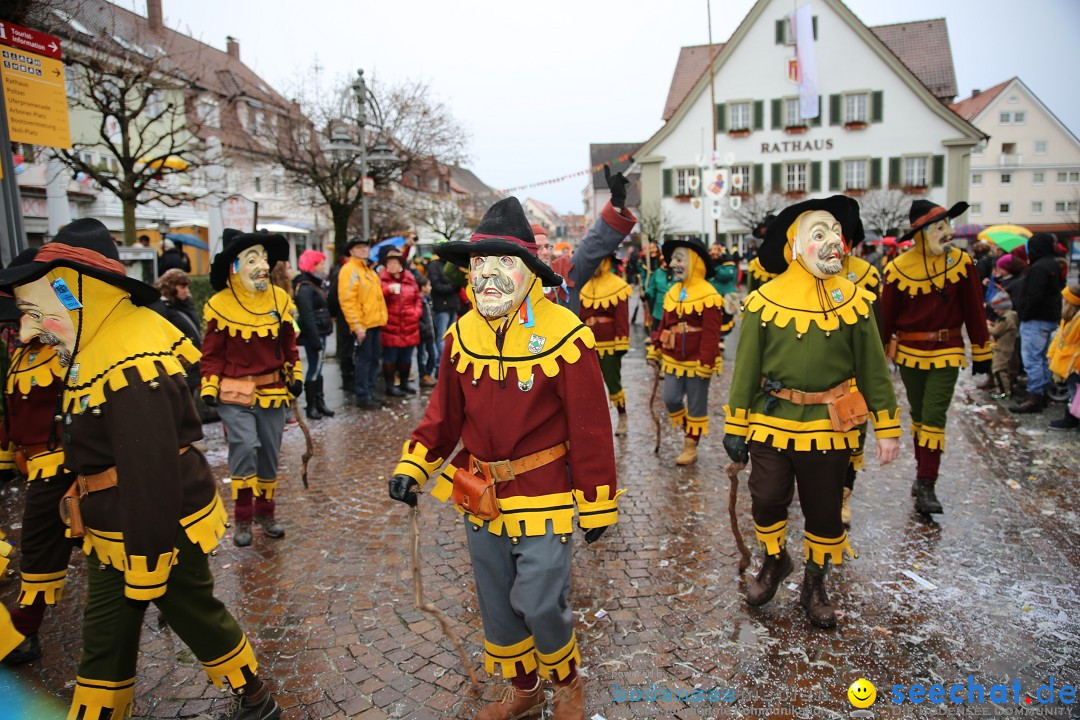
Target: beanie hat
(538, 230)
(309, 260)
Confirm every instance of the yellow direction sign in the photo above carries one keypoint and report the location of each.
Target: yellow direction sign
(34, 92)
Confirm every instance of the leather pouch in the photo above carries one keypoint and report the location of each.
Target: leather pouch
(237, 392)
(475, 495)
(667, 339)
(848, 412)
(890, 351)
(71, 513)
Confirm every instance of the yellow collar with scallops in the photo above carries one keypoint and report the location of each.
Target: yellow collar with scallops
(606, 290)
(796, 295)
(244, 314)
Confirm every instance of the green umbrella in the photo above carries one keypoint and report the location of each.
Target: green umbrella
(1007, 241)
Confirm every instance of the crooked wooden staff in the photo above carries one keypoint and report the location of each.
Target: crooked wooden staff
(733, 470)
(309, 451)
(423, 605)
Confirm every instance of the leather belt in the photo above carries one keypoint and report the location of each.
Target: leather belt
(798, 397)
(25, 453)
(598, 320)
(261, 380)
(930, 336)
(684, 328)
(507, 470)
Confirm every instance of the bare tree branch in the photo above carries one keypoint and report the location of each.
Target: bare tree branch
(753, 208)
(884, 210)
(655, 222)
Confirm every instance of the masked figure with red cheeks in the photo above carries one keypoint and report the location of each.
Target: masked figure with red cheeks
(808, 371)
(520, 386)
(251, 371)
(931, 292)
(686, 341)
(145, 502)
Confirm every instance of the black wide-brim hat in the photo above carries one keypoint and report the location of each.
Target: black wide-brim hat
(504, 230)
(87, 238)
(924, 213)
(773, 251)
(693, 243)
(236, 242)
(354, 241)
(763, 226)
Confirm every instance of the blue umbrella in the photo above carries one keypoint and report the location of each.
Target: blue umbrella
(396, 241)
(184, 239)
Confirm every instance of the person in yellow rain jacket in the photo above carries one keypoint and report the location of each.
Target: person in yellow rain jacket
(1064, 354)
(364, 307)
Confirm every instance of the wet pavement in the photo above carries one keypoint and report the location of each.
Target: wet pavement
(989, 590)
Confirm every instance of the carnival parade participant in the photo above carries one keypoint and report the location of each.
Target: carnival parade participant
(686, 341)
(251, 371)
(145, 502)
(931, 292)
(521, 387)
(605, 308)
(809, 370)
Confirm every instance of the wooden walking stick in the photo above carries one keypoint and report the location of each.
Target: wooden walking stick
(733, 470)
(424, 605)
(309, 452)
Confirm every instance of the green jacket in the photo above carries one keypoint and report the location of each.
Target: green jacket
(724, 279)
(787, 336)
(659, 283)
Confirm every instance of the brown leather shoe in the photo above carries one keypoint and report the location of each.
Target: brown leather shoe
(515, 704)
(689, 452)
(763, 587)
(620, 429)
(815, 601)
(569, 700)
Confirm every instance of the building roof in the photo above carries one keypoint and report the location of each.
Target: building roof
(922, 45)
(969, 108)
(600, 153)
(467, 181)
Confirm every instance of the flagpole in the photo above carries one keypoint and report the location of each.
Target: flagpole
(712, 104)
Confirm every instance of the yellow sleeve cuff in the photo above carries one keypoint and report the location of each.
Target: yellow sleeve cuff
(210, 386)
(653, 353)
(7, 457)
(415, 463)
(601, 512)
(737, 422)
(298, 372)
(886, 423)
(982, 352)
(141, 583)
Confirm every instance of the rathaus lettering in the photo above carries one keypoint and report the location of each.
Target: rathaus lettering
(796, 146)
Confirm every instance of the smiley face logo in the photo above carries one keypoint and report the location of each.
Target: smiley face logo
(862, 693)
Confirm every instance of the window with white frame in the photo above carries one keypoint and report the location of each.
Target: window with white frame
(795, 177)
(915, 171)
(258, 183)
(1004, 208)
(791, 113)
(1006, 178)
(976, 208)
(1036, 207)
(155, 103)
(739, 116)
(855, 174)
(1004, 118)
(682, 180)
(1066, 206)
(976, 179)
(855, 106)
(742, 180)
(258, 122)
(1013, 99)
(1041, 147)
(208, 112)
(1038, 178)
(72, 83)
(1068, 177)
(1019, 117)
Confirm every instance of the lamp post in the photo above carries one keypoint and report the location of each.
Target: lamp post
(381, 155)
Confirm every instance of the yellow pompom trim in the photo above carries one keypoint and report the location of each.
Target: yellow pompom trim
(915, 273)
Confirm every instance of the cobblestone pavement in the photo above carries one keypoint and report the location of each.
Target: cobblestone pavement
(990, 589)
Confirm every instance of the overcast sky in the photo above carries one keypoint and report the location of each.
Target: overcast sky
(535, 82)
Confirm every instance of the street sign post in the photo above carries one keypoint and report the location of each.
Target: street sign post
(33, 110)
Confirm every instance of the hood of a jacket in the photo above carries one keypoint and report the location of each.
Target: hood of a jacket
(1040, 245)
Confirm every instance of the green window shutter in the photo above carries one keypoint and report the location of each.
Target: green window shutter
(721, 117)
(834, 110)
(815, 176)
(759, 114)
(834, 174)
(669, 184)
(700, 186)
(937, 174)
(875, 172)
(780, 34)
(778, 177)
(877, 106)
(759, 178)
(777, 114)
(894, 172)
(816, 122)
(814, 21)
(722, 239)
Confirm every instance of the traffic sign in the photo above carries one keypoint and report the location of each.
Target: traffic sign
(34, 92)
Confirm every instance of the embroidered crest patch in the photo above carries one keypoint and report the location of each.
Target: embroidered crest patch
(525, 385)
(73, 376)
(837, 295)
(536, 344)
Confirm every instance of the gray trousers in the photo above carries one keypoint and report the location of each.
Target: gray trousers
(523, 590)
(254, 443)
(693, 417)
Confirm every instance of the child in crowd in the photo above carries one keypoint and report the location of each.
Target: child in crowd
(426, 353)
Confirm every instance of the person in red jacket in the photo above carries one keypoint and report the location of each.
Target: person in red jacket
(401, 334)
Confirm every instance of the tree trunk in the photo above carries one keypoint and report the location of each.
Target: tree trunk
(129, 220)
(340, 215)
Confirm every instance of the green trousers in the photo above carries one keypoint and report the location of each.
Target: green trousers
(611, 369)
(112, 624)
(929, 394)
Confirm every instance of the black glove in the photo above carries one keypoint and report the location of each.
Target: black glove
(737, 449)
(593, 534)
(981, 367)
(210, 400)
(401, 489)
(296, 388)
(617, 185)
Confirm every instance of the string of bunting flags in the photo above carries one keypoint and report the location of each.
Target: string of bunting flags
(579, 173)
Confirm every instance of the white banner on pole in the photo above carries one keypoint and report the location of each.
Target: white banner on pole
(803, 22)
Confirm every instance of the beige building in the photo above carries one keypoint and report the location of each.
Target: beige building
(1028, 173)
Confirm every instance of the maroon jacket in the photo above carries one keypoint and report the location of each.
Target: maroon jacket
(403, 310)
